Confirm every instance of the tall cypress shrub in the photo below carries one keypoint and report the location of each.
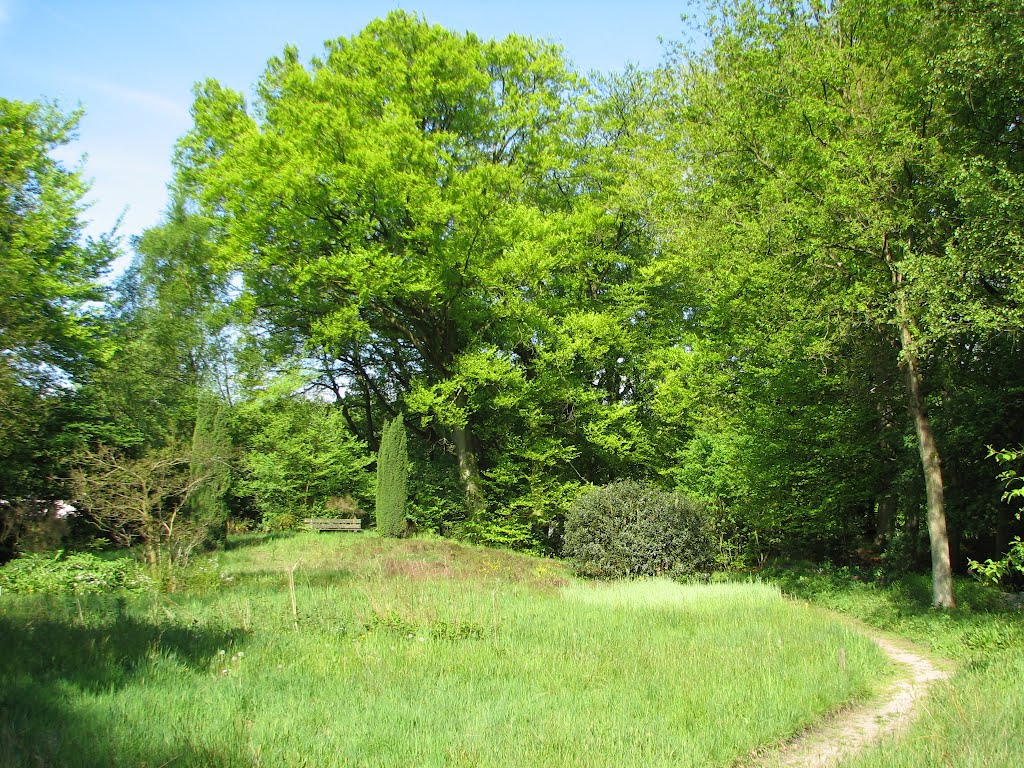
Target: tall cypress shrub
(392, 479)
(211, 454)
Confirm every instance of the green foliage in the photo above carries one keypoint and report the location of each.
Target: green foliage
(49, 279)
(392, 479)
(297, 455)
(825, 167)
(630, 529)
(50, 294)
(433, 220)
(435, 503)
(211, 460)
(73, 574)
(1010, 567)
(1003, 571)
(700, 275)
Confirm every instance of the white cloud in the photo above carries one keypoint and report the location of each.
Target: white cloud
(155, 103)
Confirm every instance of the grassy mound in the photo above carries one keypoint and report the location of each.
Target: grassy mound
(414, 652)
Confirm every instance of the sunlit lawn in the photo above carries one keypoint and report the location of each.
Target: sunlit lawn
(415, 653)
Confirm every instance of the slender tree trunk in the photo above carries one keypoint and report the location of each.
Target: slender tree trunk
(938, 537)
(151, 556)
(885, 522)
(942, 574)
(469, 472)
(371, 439)
(888, 498)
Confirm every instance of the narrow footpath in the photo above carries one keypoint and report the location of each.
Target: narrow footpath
(828, 743)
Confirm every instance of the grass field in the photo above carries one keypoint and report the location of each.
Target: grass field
(976, 718)
(414, 653)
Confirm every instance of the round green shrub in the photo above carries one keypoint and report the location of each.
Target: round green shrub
(629, 529)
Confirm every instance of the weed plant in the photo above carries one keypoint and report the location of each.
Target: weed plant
(414, 652)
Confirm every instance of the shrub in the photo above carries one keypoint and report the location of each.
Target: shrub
(392, 479)
(630, 529)
(280, 521)
(77, 574)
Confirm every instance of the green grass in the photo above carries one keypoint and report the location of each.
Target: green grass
(976, 718)
(415, 653)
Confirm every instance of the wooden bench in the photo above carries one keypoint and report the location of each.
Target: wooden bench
(334, 524)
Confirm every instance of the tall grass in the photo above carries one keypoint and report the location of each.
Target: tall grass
(415, 653)
(976, 718)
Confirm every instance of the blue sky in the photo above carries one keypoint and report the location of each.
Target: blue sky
(132, 64)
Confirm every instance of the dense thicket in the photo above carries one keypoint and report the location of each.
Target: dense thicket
(833, 163)
(782, 274)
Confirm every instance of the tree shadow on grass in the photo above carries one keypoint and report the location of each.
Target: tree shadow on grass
(48, 667)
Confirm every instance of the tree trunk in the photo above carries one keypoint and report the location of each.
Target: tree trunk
(888, 498)
(151, 555)
(885, 522)
(371, 438)
(469, 472)
(942, 575)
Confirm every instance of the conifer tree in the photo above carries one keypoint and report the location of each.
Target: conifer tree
(392, 479)
(209, 467)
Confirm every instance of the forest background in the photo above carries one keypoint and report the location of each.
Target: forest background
(782, 275)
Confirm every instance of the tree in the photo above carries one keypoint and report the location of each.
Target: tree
(142, 500)
(825, 188)
(432, 224)
(48, 275)
(167, 350)
(49, 288)
(403, 163)
(296, 454)
(392, 479)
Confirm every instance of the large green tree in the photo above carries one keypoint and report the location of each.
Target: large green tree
(49, 286)
(830, 172)
(432, 222)
(49, 272)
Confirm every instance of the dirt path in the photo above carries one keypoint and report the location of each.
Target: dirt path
(841, 735)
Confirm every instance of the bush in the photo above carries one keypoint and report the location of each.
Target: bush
(630, 529)
(76, 574)
(392, 479)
